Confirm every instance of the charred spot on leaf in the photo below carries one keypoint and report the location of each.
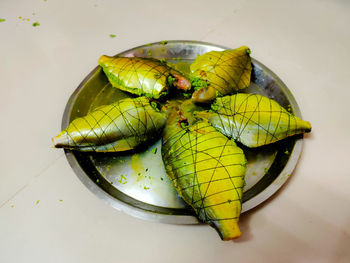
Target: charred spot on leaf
(203, 73)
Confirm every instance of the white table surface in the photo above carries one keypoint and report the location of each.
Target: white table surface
(306, 43)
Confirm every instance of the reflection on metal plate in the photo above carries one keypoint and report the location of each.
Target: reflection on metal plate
(136, 182)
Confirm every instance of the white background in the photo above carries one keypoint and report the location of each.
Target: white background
(306, 43)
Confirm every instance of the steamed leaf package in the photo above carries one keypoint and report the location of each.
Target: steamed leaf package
(120, 126)
(207, 170)
(142, 76)
(253, 120)
(219, 73)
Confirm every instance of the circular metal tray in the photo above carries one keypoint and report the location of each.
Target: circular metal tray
(136, 182)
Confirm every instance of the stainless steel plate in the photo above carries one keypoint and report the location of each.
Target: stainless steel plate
(136, 183)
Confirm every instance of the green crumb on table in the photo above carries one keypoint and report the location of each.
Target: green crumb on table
(145, 187)
(266, 170)
(97, 180)
(37, 202)
(35, 24)
(146, 169)
(162, 178)
(12, 206)
(154, 150)
(164, 42)
(112, 35)
(60, 200)
(149, 53)
(2, 20)
(286, 152)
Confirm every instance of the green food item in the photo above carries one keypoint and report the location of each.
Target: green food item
(120, 126)
(164, 42)
(112, 35)
(154, 106)
(218, 73)
(35, 24)
(183, 125)
(207, 170)
(142, 76)
(154, 150)
(187, 95)
(2, 20)
(253, 120)
(171, 80)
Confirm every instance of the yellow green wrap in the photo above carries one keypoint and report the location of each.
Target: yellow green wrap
(207, 170)
(142, 76)
(219, 73)
(120, 126)
(253, 120)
